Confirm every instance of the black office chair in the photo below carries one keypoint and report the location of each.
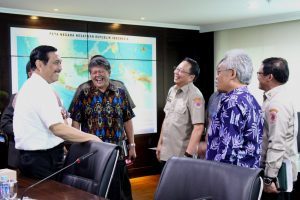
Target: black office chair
(191, 179)
(94, 174)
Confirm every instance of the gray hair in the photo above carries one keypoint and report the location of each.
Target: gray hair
(238, 60)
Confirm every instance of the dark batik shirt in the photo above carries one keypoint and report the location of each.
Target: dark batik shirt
(101, 114)
(236, 131)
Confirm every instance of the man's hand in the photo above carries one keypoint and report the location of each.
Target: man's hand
(131, 153)
(95, 138)
(270, 188)
(158, 148)
(202, 149)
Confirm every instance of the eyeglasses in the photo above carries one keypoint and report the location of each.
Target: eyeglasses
(180, 70)
(259, 73)
(57, 62)
(222, 70)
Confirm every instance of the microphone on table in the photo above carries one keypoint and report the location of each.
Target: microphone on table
(77, 161)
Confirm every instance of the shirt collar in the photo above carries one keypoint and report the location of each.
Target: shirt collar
(238, 90)
(110, 87)
(184, 88)
(38, 77)
(271, 93)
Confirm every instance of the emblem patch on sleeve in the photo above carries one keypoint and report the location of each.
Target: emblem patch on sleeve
(273, 115)
(197, 102)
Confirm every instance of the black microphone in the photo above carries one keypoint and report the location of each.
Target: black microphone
(77, 161)
(82, 158)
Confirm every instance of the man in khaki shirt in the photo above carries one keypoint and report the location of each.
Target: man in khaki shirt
(280, 126)
(184, 114)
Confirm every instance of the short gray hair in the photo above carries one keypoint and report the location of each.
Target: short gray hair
(238, 60)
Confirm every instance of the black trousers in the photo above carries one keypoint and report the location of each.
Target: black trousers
(13, 155)
(120, 187)
(41, 163)
(162, 164)
(294, 195)
(279, 196)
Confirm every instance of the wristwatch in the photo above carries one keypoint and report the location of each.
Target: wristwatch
(268, 180)
(131, 145)
(186, 154)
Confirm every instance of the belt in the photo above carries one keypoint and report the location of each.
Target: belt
(61, 145)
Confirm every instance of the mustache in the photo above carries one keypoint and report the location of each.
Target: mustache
(100, 77)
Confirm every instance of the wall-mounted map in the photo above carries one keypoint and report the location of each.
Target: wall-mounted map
(132, 59)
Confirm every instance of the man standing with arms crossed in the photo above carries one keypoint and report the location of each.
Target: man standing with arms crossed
(280, 126)
(184, 114)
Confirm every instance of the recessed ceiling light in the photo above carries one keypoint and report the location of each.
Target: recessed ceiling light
(115, 26)
(34, 17)
(56, 9)
(142, 18)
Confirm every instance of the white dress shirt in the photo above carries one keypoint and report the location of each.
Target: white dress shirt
(36, 110)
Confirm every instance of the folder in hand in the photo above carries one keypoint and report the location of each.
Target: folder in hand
(284, 180)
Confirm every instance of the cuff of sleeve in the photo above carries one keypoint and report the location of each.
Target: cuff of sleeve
(271, 172)
(186, 154)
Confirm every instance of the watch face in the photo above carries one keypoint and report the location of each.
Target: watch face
(267, 181)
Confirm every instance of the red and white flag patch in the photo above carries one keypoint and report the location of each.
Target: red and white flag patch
(197, 102)
(273, 115)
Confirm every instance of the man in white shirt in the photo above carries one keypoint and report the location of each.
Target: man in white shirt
(280, 125)
(38, 124)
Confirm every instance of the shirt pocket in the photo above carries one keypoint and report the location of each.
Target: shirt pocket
(168, 108)
(180, 109)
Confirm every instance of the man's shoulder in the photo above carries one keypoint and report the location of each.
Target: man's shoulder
(281, 97)
(84, 86)
(281, 103)
(247, 99)
(193, 91)
(241, 99)
(248, 105)
(34, 88)
(116, 82)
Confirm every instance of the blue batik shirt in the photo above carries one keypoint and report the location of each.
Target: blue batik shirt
(235, 136)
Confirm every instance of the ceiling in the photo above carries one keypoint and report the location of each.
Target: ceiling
(203, 15)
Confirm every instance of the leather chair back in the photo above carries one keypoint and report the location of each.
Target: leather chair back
(95, 173)
(191, 179)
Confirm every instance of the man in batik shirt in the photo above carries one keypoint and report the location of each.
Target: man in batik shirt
(103, 109)
(235, 136)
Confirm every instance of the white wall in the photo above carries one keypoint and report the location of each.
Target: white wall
(260, 42)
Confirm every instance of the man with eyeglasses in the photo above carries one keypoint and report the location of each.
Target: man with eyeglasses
(184, 114)
(235, 135)
(280, 127)
(102, 108)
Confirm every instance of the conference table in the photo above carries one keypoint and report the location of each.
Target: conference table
(51, 189)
